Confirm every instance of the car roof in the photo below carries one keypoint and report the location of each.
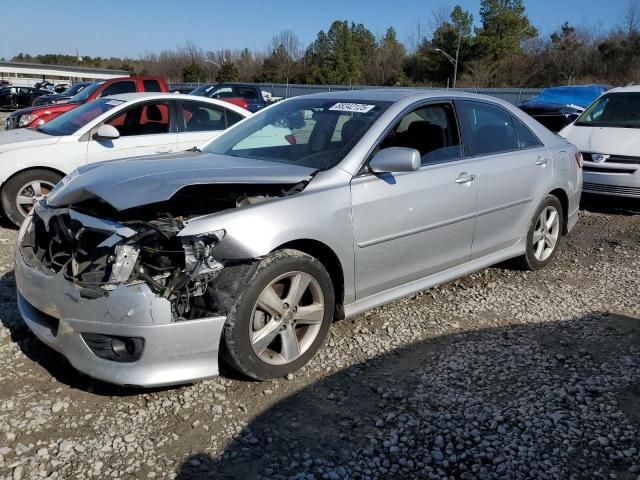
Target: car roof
(396, 94)
(141, 96)
(628, 88)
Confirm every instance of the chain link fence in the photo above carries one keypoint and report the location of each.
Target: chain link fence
(284, 90)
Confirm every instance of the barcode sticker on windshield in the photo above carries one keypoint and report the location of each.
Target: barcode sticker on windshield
(352, 107)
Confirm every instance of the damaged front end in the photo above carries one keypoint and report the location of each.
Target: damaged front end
(98, 249)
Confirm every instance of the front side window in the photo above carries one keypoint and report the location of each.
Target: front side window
(489, 129)
(432, 130)
(118, 88)
(146, 119)
(316, 133)
(613, 110)
(200, 117)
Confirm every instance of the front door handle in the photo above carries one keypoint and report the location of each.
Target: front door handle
(542, 161)
(464, 178)
(164, 150)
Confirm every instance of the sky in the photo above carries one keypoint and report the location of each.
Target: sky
(129, 28)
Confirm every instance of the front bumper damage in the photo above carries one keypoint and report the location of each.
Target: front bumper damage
(68, 316)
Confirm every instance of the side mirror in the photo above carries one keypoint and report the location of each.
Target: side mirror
(107, 132)
(395, 159)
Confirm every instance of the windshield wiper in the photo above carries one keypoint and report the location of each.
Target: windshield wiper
(193, 149)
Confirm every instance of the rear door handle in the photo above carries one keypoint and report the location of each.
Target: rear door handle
(164, 150)
(542, 161)
(465, 177)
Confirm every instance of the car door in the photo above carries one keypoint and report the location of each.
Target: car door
(200, 122)
(411, 225)
(514, 169)
(145, 128)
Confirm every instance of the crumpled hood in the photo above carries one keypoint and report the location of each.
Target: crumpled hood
(24, 137)
(141, 181)
(606, 140)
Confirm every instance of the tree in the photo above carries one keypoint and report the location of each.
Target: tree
(504, 27)
(390, 57)
(228, 72)
(428, 65)
(194, 72)
(278, 67)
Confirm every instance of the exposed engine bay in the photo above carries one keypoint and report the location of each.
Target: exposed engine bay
(98, 248)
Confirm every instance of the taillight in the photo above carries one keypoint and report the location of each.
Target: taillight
(579, 159)
(291, 139)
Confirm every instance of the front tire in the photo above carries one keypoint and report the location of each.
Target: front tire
(21, 191)
(544, 234)
(280, 318)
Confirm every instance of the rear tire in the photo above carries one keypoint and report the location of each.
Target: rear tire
(20, 192)
(280, 317)
(544, 235)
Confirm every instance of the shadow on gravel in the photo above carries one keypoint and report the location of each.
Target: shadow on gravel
(551, 400)
(610, 205)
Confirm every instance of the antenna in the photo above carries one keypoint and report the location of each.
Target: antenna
(78, 57)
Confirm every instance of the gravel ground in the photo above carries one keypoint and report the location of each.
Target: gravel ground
(501, 374)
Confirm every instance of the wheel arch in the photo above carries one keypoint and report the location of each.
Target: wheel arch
(325, 255)
(562, 196)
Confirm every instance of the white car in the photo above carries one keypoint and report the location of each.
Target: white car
(608, 135)
(120, 126)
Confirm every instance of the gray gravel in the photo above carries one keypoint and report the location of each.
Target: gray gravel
(502, 374)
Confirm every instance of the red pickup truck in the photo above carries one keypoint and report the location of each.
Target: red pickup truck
(35, 116)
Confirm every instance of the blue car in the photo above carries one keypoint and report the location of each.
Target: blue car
(557, 107)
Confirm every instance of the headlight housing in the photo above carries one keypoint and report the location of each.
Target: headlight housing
(25, 120)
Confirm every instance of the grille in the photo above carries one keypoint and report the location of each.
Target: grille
(613, 158)
(590, 168)
(597, 187)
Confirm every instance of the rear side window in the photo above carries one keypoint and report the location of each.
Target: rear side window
(200, 117)
(151, 86)
(233, 118)
(119, 87)
(247, 93)
(489, 129)
(526, 139)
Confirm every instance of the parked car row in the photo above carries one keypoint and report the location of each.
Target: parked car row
(146, 271)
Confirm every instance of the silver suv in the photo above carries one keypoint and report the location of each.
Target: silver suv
(145, 271)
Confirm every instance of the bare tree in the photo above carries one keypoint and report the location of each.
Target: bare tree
(415, 37)
(631, 17)
(290, 41)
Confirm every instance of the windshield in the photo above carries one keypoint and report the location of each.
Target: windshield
(201, 90)
(579, 96)
(73, 89)
(316, 133)
(613, 110)
(85, 93)
(69, 122)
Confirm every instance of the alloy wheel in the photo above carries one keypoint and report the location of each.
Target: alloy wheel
(286, 318)
(546, 233)
(29, 194)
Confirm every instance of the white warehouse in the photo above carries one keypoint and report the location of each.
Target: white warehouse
(26, 74)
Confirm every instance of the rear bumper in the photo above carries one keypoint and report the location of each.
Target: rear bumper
(174, 352)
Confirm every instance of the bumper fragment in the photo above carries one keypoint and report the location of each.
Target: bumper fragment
(174, 352)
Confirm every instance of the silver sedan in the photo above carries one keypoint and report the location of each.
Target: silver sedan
(147, 271)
